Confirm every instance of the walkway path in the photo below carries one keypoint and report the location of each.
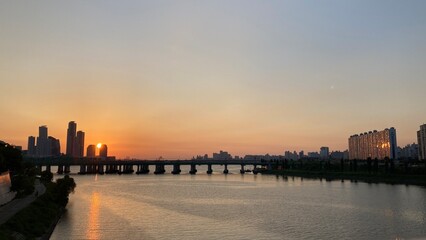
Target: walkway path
(11, 208)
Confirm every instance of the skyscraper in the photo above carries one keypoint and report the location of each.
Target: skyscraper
(374, 144)
(91, 151)
(42, 142)
(103, 151)
(421, 140)
(31, 146)
(78, 146)
(54, 147)
(71, 135)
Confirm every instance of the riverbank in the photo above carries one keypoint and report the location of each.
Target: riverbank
(39, 218)
(418, 180)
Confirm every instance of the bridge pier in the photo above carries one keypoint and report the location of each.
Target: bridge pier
(143, 169)
(242, 171)
(209, 169)
(119, 169)
(111, 169)
(100, 169)
(60, 169)
(225, 171)
(128, 169)
(82, 169)
(176, 169)
(193, 169)
(255, 171)
(159, 169)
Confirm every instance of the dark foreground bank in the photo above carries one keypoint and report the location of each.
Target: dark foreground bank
(40, 217)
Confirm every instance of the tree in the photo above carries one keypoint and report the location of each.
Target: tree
(64, 187)
(46, 176)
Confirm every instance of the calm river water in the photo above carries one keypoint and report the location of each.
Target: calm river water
(236, 206)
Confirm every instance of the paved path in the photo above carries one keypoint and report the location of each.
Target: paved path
(11, 208)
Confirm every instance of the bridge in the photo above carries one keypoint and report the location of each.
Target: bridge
(108, 166)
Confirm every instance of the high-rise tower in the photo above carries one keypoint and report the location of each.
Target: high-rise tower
(43, 147)
(421, 140)
(373, 144)
(79, 145)
(31, 146)
(91, 151)
(103, 151)
(71, 135)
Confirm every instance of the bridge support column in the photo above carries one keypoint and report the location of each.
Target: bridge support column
(82, 169)
(100, 169)
(60, 169)
(209, 169)
(159, 169)
(145, 168)
(225, 171)
(67, 169)
(176, 169)
(255, 171)
(119, 169)
(128, 169)
(193, 169)
(242, 171)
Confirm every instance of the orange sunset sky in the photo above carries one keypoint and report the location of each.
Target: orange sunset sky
(184, 78)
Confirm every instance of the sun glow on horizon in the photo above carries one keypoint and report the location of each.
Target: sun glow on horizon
(99, 145)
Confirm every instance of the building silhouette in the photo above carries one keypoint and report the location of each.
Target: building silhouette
(43, 147)
(78, 146)
(103, 151)
(421, 140)
(324, 152)
(75, 141)
(91, 151)
(54, 147)
(46, 146)
(222, 155)
(71, 134)
(410, 151)
(373, 144)
(31, 146)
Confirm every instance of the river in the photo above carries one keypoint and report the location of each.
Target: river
(236, 206)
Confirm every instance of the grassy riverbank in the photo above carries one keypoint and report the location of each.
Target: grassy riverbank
(39, 217)
(419, 180)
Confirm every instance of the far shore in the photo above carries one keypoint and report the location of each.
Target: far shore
(418, 180)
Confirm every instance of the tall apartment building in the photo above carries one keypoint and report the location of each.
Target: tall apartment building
(324, 152)
(43, 147)
(373, 144)
(78, 147)
(103, 151)
(31, 146)
(46, 146)
(75, 141)
(421, 140)
(91, 151)
(71, 134)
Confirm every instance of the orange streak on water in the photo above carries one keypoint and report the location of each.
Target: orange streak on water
(93, 231)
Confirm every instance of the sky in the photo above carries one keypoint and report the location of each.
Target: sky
(183, 78)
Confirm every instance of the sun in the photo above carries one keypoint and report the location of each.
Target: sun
(99, 145)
